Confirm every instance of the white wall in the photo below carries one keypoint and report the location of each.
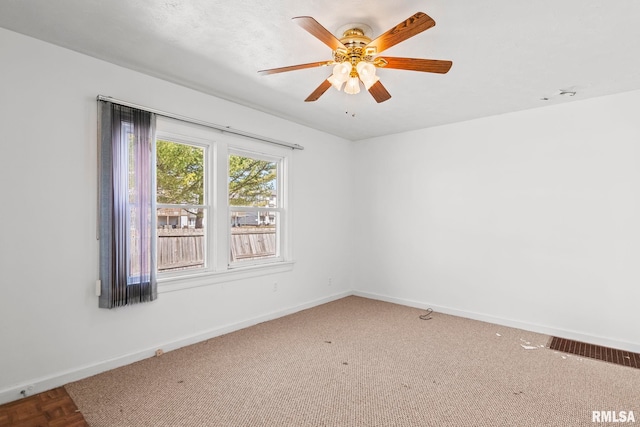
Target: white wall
(527, 219)
(530, 219)
(52, 330)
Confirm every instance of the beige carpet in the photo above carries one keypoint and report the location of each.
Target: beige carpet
(359, 362)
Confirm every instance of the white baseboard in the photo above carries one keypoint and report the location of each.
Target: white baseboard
(39, 385)
(42, 384)
(541, 329)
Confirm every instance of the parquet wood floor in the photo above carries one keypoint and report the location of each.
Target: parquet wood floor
(53, 408)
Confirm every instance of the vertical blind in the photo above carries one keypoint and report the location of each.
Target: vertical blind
(127, 205)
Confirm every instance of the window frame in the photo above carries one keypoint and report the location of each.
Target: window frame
(205, 145)
(280, 208)
(218, 146)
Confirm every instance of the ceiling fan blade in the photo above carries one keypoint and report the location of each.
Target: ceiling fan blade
(295, 67)
(319, 32)
(320, 90)
(404, 30)
(416, 64)
(379, 92)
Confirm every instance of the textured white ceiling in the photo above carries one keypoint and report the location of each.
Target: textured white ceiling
(507, 54)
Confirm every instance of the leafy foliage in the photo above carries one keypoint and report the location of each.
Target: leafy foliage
(251, 181)
(180, 173)
(180, 177)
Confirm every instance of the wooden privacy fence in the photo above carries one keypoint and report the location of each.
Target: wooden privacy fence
(252, 243)
(182, 248)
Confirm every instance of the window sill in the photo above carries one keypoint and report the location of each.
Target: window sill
(171, 284)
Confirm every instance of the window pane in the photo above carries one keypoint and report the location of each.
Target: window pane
(254, 235)
(180, 173)
(180, 238)
(252, 182)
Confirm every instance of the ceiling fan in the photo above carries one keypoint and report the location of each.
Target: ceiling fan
(355, 56)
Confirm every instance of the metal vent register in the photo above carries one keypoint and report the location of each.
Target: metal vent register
(611, 355)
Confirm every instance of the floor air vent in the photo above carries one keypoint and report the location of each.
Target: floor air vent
(611, 355)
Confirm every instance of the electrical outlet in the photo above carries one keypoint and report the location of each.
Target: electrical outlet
(275, 286)
(330, 281)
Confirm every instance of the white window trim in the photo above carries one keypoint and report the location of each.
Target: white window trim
(230, 275)
(281, 205)
(218, 268)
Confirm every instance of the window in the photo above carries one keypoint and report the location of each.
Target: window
(181, 205)
(254, 207)
(221, 204)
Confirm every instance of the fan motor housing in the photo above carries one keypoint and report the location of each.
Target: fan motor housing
(355, 39)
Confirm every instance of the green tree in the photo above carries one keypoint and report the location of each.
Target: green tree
(251, 181)
(180, 173)
(180, 178)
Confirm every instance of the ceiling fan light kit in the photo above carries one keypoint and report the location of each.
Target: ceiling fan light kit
(355, 56)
